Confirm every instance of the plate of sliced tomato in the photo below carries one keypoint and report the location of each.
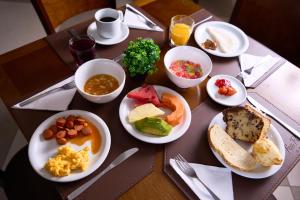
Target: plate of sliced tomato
(226, 90)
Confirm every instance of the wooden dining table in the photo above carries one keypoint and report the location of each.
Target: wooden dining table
(36, 66)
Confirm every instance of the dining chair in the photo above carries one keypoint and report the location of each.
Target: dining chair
(20, 181)
(275, 23)
(57, 15)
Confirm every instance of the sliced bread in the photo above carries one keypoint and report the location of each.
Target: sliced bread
(246, 123)
(232, 153)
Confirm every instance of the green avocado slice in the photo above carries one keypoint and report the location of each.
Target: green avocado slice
(154, 126)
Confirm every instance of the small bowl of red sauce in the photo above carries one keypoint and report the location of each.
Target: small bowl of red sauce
(187, 66)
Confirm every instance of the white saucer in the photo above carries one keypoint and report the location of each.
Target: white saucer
(92, 31)
(238, 36)
(238, 98)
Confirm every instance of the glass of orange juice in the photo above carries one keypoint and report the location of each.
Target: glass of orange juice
(181, 28)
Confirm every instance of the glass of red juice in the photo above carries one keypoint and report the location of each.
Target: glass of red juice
(82, 49)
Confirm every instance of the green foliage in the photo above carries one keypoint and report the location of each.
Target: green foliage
(141, 56)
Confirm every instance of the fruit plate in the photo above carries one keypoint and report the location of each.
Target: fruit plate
(260, 171)
(128, 104)
(40, 150)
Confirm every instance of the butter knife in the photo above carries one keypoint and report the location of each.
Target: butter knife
(269, 113)
(122, 157)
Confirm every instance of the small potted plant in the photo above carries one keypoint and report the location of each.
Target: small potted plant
(141, 56)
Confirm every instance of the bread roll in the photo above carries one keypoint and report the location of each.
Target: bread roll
(232, 153)
(266, 153)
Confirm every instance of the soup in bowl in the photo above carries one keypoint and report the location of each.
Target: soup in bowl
(100, 80)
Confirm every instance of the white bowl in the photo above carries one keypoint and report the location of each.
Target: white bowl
(187, 53)
(99, 66)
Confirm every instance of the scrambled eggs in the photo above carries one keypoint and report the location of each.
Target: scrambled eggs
(66, 160)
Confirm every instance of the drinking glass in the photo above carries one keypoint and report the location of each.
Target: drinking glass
(82, 49)
(181, 28)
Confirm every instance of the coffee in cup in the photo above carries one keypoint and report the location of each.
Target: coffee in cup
(108, 22)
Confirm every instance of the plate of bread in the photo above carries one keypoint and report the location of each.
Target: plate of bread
(221, 39)
(244, 140)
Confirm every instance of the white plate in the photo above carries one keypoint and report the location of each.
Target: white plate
(127, 105)
(92, 31)
(259, 171)
(238, 98)
(239, 37)
(40, 150)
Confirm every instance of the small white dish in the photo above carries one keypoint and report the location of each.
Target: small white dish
(238, 98)
(127, 105)
(92, 31)
(238, 36)
(40, 150)
(189, 53)
(260, 171)
(99, 66)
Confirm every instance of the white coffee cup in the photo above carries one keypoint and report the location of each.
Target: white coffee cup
(108, 22)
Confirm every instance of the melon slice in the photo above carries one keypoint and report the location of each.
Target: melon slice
(174, 103)
(145, 94)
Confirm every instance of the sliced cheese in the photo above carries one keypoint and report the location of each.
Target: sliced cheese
(222, 38)
(143, 111)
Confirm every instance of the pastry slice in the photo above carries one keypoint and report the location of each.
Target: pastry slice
(246, 123)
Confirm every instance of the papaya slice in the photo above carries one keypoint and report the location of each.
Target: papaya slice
(174, 103)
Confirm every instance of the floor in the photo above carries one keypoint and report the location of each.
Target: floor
(25, 27)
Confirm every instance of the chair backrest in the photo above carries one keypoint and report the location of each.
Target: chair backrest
(275, 23)
(54, 12)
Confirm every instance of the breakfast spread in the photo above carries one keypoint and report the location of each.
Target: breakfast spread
(245, 123)
(232, 153)
(225, 87)
(223, 39)
(101, 84)
(67, 160)
(266, 153)
(186, 69)
(147, 118)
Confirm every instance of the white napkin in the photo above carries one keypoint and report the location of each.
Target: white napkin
(247, 61)
(218, 179)
(57, 101)
(134, 21)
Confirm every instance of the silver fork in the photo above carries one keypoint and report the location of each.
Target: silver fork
(67, 86)
(186, 168)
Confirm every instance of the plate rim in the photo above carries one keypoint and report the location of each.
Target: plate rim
(188, 116)
(103, 155)
(91, 33)
(220, 102)
(247, 174)
(225, 55)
